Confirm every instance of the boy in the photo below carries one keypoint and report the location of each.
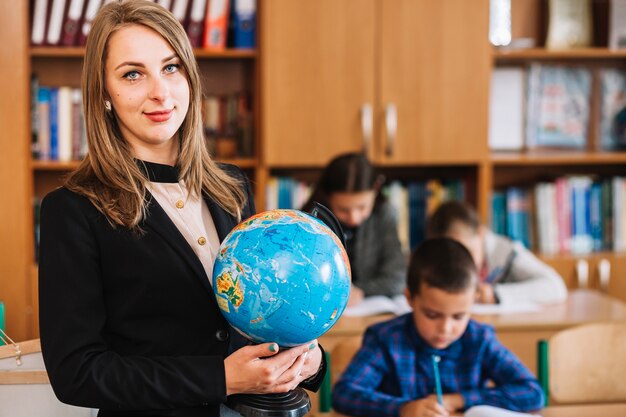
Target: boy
(393, 374)
(508, 272)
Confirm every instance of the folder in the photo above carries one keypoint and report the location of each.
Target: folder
(195, 26)
(55, 24)
(91, 9)
(38, 33)
(243, 23)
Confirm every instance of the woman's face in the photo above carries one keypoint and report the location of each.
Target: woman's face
(148, 91)
(352, 209)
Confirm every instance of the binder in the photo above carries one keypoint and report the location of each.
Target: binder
(38, 33)
(72, 22)
(55, 24)
(243, 24)
(216, 25)
(91, 9)
(195, 26)
(179, 10)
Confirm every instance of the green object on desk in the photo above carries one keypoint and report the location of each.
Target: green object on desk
(325, 396)
(1, 320)
(542, 369)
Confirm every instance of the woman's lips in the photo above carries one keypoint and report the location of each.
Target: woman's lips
(159, 116)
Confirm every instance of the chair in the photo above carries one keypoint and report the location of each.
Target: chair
(25, 390)
(584, 364)
(338, 360)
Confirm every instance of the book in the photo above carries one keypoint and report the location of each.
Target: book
(71, 24)
(612, 109)
(569, 24)
(617, 24)
(506, 109)
(558, 106)
(216, 25)
(243, 24)
(379, 304)
(43, 122)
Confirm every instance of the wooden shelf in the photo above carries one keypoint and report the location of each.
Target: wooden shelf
(546, 54)
(37, 165)
(555, 157)
(79, 52)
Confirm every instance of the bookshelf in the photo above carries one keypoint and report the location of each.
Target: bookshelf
(317, 65)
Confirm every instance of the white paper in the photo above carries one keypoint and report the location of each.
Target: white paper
(489, 411)
(505, 308)
(379, 304)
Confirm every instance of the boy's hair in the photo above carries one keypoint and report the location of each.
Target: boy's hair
(346, 173)
(441, 263)
(449, 213)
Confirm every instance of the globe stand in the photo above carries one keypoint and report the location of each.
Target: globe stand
(295, 403)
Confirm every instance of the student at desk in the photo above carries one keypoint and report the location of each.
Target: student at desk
(350, 187)
(509, 273)
(435, 349)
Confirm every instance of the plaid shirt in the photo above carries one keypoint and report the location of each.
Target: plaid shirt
(394, 366)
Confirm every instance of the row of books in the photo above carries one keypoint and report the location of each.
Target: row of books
(414, 201)
(571, 215)
(210, 24)
(228, 124)
(550, 106)
(58, 125)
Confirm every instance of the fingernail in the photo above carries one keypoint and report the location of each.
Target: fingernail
(312, 346)
(273, 347)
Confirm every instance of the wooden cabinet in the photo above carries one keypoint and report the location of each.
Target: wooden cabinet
(405, 80)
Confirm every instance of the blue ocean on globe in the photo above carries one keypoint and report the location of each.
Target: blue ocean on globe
(282, 276)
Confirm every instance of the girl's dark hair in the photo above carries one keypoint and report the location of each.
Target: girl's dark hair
(346, 173)
(447, 214)
(441, 263)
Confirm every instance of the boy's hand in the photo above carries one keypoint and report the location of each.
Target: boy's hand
(453, 402)
(485, 294)
(426, 407)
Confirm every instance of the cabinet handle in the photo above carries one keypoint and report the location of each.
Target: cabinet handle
(367, 121)
(582, 273)
(391, 122)
(604, 273)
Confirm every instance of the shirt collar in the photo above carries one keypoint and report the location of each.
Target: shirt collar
(422, 348)
(159, 172)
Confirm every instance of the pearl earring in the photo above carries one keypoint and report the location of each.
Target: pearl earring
(107, 105)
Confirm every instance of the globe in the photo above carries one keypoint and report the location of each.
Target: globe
(282, 276)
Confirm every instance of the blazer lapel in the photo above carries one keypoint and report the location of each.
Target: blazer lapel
(159, 222)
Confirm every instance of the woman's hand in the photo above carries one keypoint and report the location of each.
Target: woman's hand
(263, 369)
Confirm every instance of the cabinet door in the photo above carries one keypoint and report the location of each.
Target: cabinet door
(317, 70)
(434, 66)
(615, 271)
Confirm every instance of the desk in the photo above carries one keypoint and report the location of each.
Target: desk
(517, 331)
(586, 410)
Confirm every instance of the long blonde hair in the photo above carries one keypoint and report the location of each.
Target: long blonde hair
(109, 175)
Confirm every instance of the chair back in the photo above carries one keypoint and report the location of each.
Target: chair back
(587, 364)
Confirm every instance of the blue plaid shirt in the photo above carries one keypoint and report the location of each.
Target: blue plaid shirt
(394, 366)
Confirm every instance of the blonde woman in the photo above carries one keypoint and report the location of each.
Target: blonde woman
(129, 323)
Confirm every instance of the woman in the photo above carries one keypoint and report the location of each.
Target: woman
(350, 188)
(129, 322)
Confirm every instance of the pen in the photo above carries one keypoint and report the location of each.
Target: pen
(436, 360)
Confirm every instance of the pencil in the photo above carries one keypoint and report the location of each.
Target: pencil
(436, 360)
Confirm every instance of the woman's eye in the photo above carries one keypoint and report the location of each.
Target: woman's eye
(172, 68)
(132, 75)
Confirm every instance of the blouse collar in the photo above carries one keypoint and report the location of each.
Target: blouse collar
(159, 172)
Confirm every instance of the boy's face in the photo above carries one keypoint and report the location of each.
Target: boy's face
(440, 317)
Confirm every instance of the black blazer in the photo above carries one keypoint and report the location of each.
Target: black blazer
(129, 322)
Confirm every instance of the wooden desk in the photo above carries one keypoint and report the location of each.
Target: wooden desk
(518, 331)
(586, 410)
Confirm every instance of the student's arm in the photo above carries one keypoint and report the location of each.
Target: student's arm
(515, 387)
(388, 274)
(530, 280)
(357, 392)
